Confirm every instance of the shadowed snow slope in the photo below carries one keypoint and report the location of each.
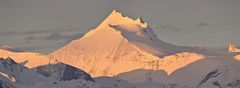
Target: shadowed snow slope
(211, 72)
(120, 44)
(64, 72)
(112, 82)
(17, 73)
(13, 75)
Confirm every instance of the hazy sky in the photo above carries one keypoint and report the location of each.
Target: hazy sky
(45, 25)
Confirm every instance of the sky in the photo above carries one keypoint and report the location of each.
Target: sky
(46, 25)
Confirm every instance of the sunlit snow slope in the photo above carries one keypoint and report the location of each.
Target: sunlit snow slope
(120, 44)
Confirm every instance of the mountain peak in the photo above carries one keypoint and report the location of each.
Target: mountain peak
(116, 13)
(140, 21)
(117, 18)
(120, 44)
(233, 49)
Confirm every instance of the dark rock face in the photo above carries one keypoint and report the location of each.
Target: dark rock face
(73, 73)
(210, 75)
(11, 68)
(63, 72)
(234, 84)
(8, 66)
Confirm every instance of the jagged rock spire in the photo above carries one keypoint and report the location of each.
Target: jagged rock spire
(140, 20)
(117, 18)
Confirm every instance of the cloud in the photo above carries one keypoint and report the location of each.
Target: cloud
(31, 48)
(54, 36)
(166, 26)
(30, 38)
(46, 49)
(202, 24)
(172, 28)
(36, 31)
(57, 36)
(177, 29)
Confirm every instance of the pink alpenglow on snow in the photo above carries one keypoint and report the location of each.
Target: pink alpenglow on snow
(120, 44)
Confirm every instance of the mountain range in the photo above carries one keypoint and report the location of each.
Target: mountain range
(121, 53)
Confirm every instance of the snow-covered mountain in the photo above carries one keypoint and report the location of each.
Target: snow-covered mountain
(63, 72)
(113, 82)
(17, 74)
(237, 57)
(14, 75)
(129, 51)
(120, 44)
(29, 59)
(233, 49)
(211, 72)
(121, 53)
